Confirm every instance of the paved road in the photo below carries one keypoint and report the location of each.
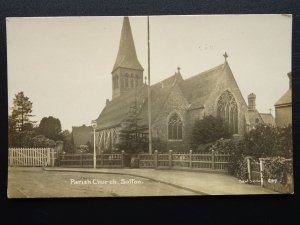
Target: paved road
(200, 182)
(24, 182)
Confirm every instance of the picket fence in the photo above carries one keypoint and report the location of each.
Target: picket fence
(31, 157)
(190, 160)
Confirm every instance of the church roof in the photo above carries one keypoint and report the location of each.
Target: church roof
(268, 118)
(117, 109)
(285, 99)
(127, 57)
(195, 89)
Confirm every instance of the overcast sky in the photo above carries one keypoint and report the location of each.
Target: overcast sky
(64, 64)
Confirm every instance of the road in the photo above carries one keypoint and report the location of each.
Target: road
(24, 182)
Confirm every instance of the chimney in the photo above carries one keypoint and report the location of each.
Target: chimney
(251, 101)
(107, 101)
(290, 79)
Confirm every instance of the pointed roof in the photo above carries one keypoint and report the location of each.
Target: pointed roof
(268, 118)
(127, 57)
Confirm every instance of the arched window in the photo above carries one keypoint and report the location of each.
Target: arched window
(228, 111)
(175, 127)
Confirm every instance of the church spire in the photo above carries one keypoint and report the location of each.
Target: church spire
(127, 57)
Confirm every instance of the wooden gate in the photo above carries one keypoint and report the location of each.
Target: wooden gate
(31, 157)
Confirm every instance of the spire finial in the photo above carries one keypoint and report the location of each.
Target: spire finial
(270, 110)
(225, 56)
(146, 80)
(178, 69)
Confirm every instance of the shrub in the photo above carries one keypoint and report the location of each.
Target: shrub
(208, 130)
(267, 141)
(277, 168)
(236, 149)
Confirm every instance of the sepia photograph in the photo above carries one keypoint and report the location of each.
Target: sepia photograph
(126, 106)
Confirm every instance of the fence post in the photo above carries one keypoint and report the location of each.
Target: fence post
(48, 157)
(170, 159)
(81, 161)
(191, 160)
(123, 158)
(155, 158)
(249, 169)
(213, 159)
(261, 170)
(102, 158)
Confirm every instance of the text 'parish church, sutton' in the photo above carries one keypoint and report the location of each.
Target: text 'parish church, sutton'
(176, 102)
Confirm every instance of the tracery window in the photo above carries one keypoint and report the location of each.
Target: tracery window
(175, 127)
(228, 111)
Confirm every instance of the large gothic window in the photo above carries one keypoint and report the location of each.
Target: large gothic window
(175, 127)
(228, 111)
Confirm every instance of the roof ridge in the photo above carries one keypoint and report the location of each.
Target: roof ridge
(206, 71)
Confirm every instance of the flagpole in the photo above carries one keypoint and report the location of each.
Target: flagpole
(149, 95)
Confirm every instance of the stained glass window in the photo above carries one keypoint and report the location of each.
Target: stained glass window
(228, 111)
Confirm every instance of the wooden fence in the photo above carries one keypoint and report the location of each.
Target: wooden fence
(31, 157)
(86, 160)
(209, 162)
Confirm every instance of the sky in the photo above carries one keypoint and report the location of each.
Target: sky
(64, 64)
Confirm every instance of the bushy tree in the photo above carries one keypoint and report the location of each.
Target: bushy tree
(209, 129)
(50, 127)
(41, 141)
(21, 112)
(269, 141)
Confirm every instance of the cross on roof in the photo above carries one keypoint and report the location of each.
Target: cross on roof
(225, 56)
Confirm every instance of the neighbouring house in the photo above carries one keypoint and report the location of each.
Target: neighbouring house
(254, 117)
(82, 135)
(283, 107)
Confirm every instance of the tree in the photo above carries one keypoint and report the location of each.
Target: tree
(41, 141)
(50, 127)
(21, 113)
(209, 129)
(269, 141)
(132, 138)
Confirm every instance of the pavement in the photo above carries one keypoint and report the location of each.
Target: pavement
(202, 183)
(34, 182)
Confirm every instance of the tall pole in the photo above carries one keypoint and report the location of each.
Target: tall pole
(94, 148)
(94, 125)
(149, 94)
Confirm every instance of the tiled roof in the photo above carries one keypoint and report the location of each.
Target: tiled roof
(268, 118)
(197, 88)
(285, 99)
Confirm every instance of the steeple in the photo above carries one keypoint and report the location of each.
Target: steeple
(127, 57)
(127, 72)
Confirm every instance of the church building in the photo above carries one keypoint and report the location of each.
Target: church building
(176, 103)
